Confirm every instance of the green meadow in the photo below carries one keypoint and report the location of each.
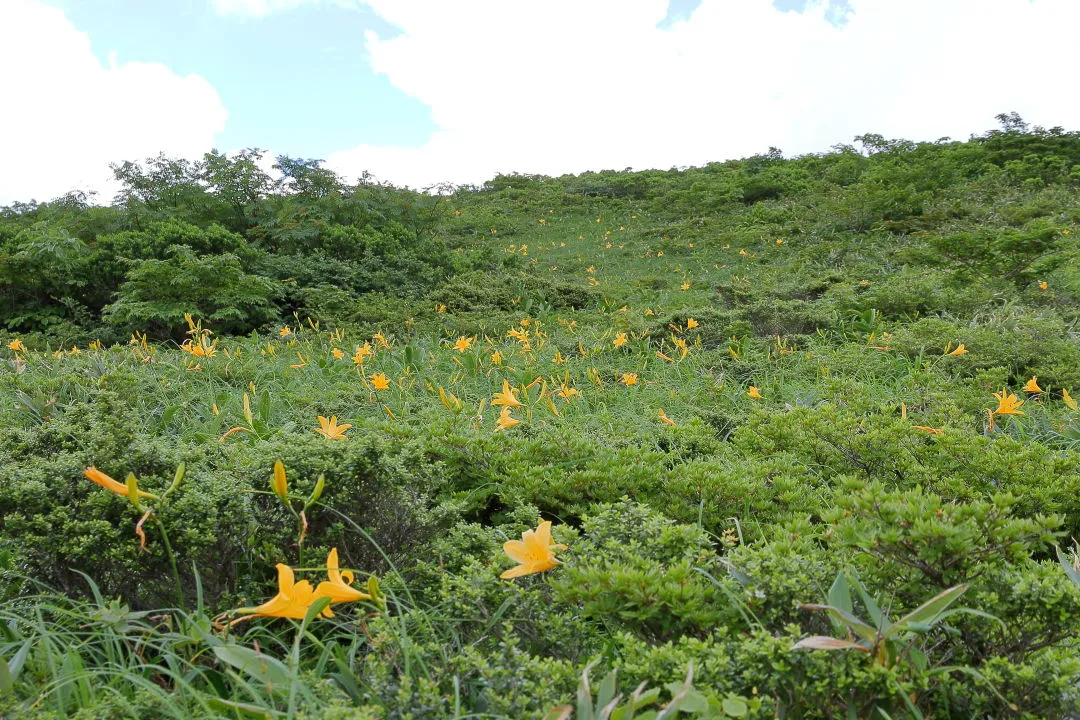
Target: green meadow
(767, 438)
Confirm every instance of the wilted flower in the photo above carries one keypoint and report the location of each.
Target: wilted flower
(665, 419)
(960, 350)
(1068, 399)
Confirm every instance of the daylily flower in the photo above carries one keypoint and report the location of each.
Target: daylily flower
(534, 552)
(619, 340)
(1043, 285)
(338, 353)
(754, 393)
(17, 345)
(496, 358)
(380, 382)
(685, 286)
(505, 420)
(1068, 399)
(330, 429)
(691, 323)
(363, 352)
(506, 397)
(292, 601)
(378, 337)
(279, 483)
(463, 344)
(1007, 404)
(629, 379)
(109, 484)
(932, 431)
(285, 331)
(665, 419)
(566, 392)
(339, 587)
(1032, 386)
(960, 350)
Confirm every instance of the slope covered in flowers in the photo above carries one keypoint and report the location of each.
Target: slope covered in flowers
(777, 438)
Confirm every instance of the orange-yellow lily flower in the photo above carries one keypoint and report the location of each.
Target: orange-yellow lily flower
(506, 397)
(506, 420)
(380, 382)
(534, 552)
(1068, 399)
(754, 393)
(1007, 404)
(463, 344)
(292, 601)
(339, 587)
(330, 429)
(109, 484)
(665, 419)
(1032, 386)
(960, 350)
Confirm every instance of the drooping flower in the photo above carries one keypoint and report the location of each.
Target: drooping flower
(665, 419)
(932, 431)
(109, 484)
(292, 600)
(339, 587)
(754, 393)
(534, 552)
(1068, 399)
(1007, 404)
(960, 350)
(464, 344)
(330, 429)
(505, 420)
(506, 397)
(380, 382)
(1032, 385)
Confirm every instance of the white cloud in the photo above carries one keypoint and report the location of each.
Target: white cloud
(66, 116)
(262, 8)
(554, 86)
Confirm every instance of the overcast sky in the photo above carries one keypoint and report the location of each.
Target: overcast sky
(426, 91)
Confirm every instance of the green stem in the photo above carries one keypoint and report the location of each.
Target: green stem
(172, 561)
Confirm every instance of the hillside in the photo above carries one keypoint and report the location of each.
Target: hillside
(762, 403)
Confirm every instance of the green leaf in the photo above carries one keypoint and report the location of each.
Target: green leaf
(928, 612)
(853, 623)
(735, 706)
(271, 672)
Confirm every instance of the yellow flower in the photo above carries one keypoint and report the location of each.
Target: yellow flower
(558, 359)
(1007, 404)
(932, 431)
(566, 392)
(691, 323)
(279, 483)
(378, 337)
(338, 353)
(339, 587)
(506, 397)
(1068, 399)
(330, 429)
(534, 552)
(619, 340)
(665, 419)
(628, 379)
(17, 345)
(285, 331)
(1032, 386)
(109, 484)
(302, 363)
(440, 308)
(754, 393)
(505, 420)
(496, 358)
(363, 352)
(380, 381)
(1043, 285)
(464, 344)
(292, 601)
(960, 350)
(685, 286)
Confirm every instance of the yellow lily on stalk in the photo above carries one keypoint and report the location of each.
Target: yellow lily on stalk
(629, 379)
(17, 345)
(380, 382)
(534, 552)
(506, 420)
(664, 418)
(330, 429)
(1007, 404)
(339, 586)
(754, 393)
(1032, 385)
(960, 350)
(109, 484)
(619, 340)
(506, 397)
(464, 344)
(1068, 399)
(292, 601)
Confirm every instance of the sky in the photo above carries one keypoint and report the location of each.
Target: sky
(420, 92)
